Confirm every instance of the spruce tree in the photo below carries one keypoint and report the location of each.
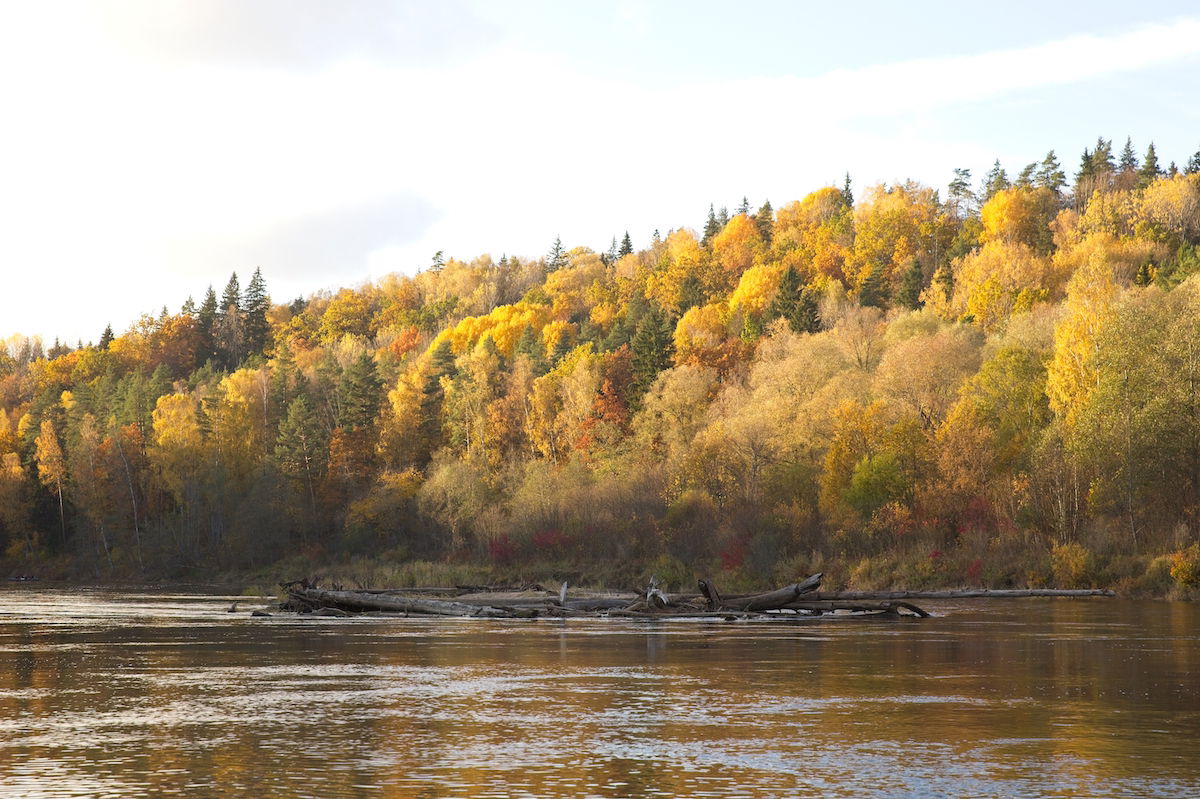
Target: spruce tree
(764, 218)
(530, 345)
(557, 258)
(1150, 170)
(1193, 164)
(359, 393)
(232, 296)
(744, 208)
(787, 296)
(106, 338)
(847, 194)
(255, 304)
(229, 330)
(206, 320)
(562, 346)
(711, 227)
(300, 446)
(626, 246)
(1128, 161)
(723, 217)
(873, 290)
(189, 307)
(652, 347)
(909, 294)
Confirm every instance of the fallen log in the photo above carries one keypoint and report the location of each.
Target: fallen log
(772, 600)
(357, 601)
(972, 593)
(892, 607)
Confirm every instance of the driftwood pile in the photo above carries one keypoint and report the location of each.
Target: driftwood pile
(789, 603)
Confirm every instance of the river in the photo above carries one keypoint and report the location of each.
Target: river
(106, 694)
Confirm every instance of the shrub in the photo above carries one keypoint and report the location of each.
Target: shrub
(1185, 566)
(1072, 565)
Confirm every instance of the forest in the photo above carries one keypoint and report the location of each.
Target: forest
(997, 385)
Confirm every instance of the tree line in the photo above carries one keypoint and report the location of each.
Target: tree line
(999, 387)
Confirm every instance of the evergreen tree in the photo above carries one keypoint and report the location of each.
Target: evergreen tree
(255, 304)
(765, 220)
(873, 290)
(847, 194)
(744, 208)
(231, 299)
(1050, 175)
(1150, 170)
(795, 303)
(1026, 177)
(652, 347)
(909, 294)
(626, 246)
(206, 320)
(557, 258)
(723, 217)
(359, 393)
(996, 180)
(962, 199)
(300, 447)
(1102, 157)
(1128, 161)
(189, 307)
(531, 347)
(438, 263)
(610, 257)
(430, 430)
(562, 346)
(106, 338)
(711, 226)
(1193, 164)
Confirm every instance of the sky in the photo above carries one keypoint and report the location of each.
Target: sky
(150, 148)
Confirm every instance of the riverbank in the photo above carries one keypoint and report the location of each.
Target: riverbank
(1172, 575)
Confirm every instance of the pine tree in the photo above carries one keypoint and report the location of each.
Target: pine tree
(847, 194)
(1102, 157)
(996, 180)
(189, 307)
(256, 303)
(562, 346)
(764, 218)
(962, 199)
(711, 226)
(723, 217)
(610, 257)
(557, 258)
(1050, 175)
(438, 263)
(1026, 176)
(300, 446)
(106, 338)
(744, 208)
(626, 246)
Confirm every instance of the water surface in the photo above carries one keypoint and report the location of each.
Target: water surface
(107, 694)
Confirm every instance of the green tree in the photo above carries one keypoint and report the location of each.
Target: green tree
(255, 304)
(626, 246)
(1128, 161)
(652, 347)
(1050, 174)
(300, 447)
(911, 285)
(360, 395)
(557, 258)
(711, 226)
(1150, 170)
(996, 180)
(106, 338)
(765, 219)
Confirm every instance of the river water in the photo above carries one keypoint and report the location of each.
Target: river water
(124, 695)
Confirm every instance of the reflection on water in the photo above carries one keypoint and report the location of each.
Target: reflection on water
(123, 695)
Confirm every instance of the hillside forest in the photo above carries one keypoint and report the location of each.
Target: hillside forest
(995, 385)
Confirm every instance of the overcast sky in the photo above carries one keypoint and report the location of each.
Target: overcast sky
(148, 148)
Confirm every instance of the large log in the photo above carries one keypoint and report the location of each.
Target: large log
(772, 600)
(966, 593)
(357, 601)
